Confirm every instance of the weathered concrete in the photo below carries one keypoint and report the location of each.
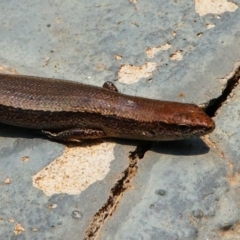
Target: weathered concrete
(169, 50)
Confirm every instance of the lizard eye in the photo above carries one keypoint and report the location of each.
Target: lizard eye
(183, 128)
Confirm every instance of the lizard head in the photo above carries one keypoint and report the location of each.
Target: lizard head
(188, 121)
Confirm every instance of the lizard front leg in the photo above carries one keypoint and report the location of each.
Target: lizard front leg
(75, 134)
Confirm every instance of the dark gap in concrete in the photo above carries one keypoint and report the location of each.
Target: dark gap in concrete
(216, 103)
(114, 198)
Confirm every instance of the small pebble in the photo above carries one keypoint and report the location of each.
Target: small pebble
(152, 206)
(77, 214)
(160, 192)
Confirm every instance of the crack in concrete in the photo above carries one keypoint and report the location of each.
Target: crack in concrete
(114, 198)
(231, 82)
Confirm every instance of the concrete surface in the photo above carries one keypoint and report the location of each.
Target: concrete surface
(175, 50)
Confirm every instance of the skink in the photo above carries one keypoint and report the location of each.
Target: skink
(71, 111)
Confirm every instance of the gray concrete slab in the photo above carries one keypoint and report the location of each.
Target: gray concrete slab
(174, 195)
(31, 211)
(172, 50)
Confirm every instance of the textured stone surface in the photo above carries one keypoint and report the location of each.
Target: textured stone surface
(42, 216)
(181, 190)
(176, 195)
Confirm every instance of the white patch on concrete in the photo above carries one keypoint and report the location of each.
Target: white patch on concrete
(210, 25)
(18, 229)
(118, 57)
(177, 56)
(204, 7)
(7, 70)
(76, 169)
(151, 51)
(130, 74)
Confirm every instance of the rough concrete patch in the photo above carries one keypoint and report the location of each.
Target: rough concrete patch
(176, 56)
(75, 170)
(203, 7)
(231, 232)
(234, 178)
(130, 74)
(150, 52)
(228, 213)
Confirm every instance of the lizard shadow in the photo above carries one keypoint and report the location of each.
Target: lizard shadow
(8, 131)
(186, 147)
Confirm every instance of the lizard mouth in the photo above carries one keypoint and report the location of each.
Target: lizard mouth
(210, 126)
